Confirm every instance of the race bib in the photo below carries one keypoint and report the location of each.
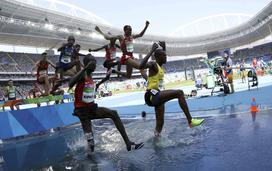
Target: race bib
(129, 46)
(88, 93)
(66, 59)
(154, 92)
(43, 72)
(113, 54)
(12, 95)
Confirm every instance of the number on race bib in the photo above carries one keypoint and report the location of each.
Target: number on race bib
(129, 46)
(43, 72)
(154, 92)
(88, 93)
(66, 59)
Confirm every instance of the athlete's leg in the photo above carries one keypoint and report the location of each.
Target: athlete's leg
(136, 65)
(103, 80)
(103, 112)
(128, 72)
(167, 95)
(159, 119)
(45, 80)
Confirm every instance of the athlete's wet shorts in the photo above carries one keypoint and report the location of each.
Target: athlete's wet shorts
(85, 113)
(230, 78)
(64, 66)
(152, 97)
(109, 63)
(125, 57)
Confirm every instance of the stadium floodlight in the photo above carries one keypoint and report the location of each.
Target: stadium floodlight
(96, 36)
(49, 26)
(64, 30)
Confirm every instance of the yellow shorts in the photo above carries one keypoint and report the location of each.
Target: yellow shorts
(230, 78)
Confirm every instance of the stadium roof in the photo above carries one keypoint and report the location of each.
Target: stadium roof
(23, 24)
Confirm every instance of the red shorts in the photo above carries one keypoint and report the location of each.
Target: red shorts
(125, 57)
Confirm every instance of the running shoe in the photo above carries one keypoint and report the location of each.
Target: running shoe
(196, 122)
(134, 146)
(156, 133)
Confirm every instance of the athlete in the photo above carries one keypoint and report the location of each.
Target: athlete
(42, 72)
(86, 109)
(229, 71)
(110, 59)
(127, 48)
(155, 97)
(10, 94)
(68, 58)
(69, 63)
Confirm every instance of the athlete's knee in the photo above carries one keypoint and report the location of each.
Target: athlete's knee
(107, 77)
(180, 93)
(114, 115)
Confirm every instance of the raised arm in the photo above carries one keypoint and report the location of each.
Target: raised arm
(78, 77)
(144, 63)
(62, 47)
(107, 36)
(97, 49)
(142, 32)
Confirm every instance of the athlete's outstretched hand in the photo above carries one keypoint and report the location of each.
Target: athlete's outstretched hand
(147, 23)
(97, 28)
(155, 46)
(162, 44)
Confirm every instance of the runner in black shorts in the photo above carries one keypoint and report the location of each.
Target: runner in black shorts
(86, 109)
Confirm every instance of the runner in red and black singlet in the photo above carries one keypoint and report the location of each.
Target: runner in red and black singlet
(42, 72)
(86, 109)
(127, 48)
(111, 59)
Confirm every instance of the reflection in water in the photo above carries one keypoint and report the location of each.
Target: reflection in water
(253, 114)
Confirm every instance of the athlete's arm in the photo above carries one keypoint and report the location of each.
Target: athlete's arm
(106, 36)
(62, 47)
(52, 64)
(79, 54)
(34, 67)
(78, 77)
(162, 44)
(98, 49)
(144, 63)
(142, 32)
(6, 91)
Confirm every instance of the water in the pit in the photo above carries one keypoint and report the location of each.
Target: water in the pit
(230, 142)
